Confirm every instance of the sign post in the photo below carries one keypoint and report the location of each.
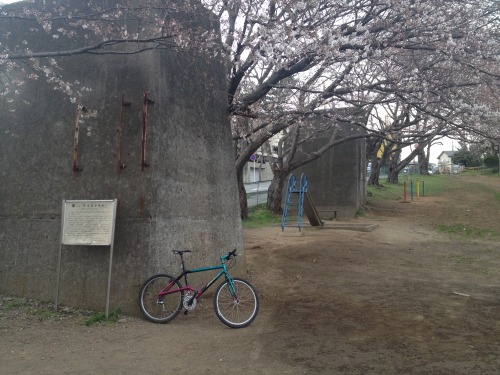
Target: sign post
(87, 223)
(254, 158)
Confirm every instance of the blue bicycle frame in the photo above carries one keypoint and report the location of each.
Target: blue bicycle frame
(199, 292)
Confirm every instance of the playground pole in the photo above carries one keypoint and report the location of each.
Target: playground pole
(411, 189)
(418, 188)
(423, 188)
(404, 191)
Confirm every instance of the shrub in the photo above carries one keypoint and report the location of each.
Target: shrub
(490, 161)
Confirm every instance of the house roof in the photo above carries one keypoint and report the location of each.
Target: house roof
(447, 153)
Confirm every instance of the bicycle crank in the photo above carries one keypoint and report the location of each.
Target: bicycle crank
(189, 302)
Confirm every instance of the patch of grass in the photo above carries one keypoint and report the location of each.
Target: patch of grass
(436, 184)
(470, 264)
(430, 185)
(99, 317)
(433, 185)
(454, 183)
(386, 192)
(42, 312)
(464, 259)
(29, 307)
(466, 231)
(422, 185)
(260, 216)
(15, 304)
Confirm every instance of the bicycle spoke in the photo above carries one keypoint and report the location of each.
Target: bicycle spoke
(239, 310)
(163, 309)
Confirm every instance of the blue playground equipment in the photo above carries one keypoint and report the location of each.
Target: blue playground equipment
(297, 201)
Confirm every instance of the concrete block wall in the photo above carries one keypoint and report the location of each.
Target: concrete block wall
(186, 198)
(337, 179)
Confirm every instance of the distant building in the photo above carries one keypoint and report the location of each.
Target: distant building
(258, 168)
(445, 163)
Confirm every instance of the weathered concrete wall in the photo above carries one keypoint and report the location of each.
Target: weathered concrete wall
(337, 179)
(186, 199)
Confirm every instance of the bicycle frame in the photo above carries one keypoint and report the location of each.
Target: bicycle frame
(198, 293)
(235, 300)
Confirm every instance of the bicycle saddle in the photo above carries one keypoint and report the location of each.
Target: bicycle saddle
(181, 251)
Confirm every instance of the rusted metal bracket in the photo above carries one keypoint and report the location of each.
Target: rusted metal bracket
(120, 164)
(146, 101)
(76, 168)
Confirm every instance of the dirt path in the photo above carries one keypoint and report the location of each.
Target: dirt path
(402, 299)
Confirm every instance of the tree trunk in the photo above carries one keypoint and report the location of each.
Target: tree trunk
(394, 167)
(275, 192)
(243, 196)
(393, 176)
(423, 163)
(374, 172)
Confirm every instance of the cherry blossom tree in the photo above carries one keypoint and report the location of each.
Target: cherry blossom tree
(409, 49)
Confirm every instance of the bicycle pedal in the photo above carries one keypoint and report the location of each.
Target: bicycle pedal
(185, 312)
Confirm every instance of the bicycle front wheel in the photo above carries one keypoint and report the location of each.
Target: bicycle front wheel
(164, 309)
(236, 310)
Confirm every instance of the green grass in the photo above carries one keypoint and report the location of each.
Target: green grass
(260, 216)
(360, 213)
(422, 185)
(467, 232)
(385, 192)
(42, 312)
(471, 264)
(434, 185)
(464, 260)
(497, 196)
(450, 184)
(99, 317)
(31, 307)
(15, 304)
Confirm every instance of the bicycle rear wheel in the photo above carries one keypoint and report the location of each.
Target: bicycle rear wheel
(236, 311)
(167, 307)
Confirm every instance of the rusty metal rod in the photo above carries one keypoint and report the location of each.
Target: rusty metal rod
(76, 169)
(120, 164)
(145, 103)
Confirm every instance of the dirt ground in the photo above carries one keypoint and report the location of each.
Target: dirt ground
(401, 299)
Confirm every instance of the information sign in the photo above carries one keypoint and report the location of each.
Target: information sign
(88, 222)
(84, 223)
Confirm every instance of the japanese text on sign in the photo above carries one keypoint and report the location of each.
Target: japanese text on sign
(88, 222)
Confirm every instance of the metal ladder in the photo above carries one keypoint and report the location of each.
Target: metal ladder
(294, 200)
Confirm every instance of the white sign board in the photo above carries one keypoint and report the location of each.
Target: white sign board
(88, 222)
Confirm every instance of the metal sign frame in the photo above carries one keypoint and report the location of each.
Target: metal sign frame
(87, 223)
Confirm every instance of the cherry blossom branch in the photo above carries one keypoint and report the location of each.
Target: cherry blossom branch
(97, 49)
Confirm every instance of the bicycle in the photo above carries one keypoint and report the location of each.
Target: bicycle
(162, 296)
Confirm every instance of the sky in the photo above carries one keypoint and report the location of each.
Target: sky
(436, 149)
(8, 1)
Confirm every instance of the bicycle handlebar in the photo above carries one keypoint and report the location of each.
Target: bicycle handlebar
(229, 255)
